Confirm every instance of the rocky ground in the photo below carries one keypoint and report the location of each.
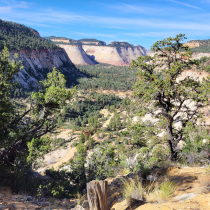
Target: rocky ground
(191, 193)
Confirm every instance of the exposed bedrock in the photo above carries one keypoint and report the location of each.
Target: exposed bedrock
(37, 63)
(90, 54)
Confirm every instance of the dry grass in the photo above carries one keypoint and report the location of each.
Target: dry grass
(154, 191)
(80, 198)
(124, 171)
(161, 191)
(205, 181)
(132, 189)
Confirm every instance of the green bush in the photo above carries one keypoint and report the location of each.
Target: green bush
(102, 162)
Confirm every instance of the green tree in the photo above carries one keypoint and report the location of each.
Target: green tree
(8, 72)
(167, 96)
(78, 167)
(15, 130)
(102, 162)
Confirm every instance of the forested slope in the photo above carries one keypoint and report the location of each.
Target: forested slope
(200, 46)
(17, 37)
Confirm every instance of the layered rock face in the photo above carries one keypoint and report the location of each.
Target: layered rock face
(200, 55)
(37, 63)
(77, 54)
(93, 43)
(89, 54)
(119, 56)
(192, 44)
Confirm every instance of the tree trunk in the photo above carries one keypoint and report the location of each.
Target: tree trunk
(172, 142)
(97, 195)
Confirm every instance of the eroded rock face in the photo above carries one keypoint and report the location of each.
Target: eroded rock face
(37, 63)
(77, 54)
(89, 54)
(192, 44)
(119, 56)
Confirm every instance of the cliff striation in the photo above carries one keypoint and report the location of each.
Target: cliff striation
(37, 63)
(77, 54)
(192, 44)
(90, 54)
(119, 56)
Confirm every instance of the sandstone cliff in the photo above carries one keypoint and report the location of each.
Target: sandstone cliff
(37, 63)
(77, 54)
(89, 54)
(121, 44)
(119, 56)
(192, 44)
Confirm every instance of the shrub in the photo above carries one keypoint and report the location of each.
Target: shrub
(102, 162)
(58, 186)
(145, 171)
(195, 152)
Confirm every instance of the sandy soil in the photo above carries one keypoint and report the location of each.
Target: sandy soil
(62, 155)
(188, 181)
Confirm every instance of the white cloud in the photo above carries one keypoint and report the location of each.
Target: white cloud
(5, 9)
(51, 17)
(152, 34)
(141, 9)
(185, 4)
(95, 35)
(23, 4)
(129, 8)
(17, 4)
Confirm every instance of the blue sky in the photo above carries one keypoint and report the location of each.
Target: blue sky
(135, 21)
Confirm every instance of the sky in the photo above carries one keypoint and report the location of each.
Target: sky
(138, 22)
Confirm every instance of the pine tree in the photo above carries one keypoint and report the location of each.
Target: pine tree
(164, 94)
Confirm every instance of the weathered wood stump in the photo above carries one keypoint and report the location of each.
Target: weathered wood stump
(97, 195)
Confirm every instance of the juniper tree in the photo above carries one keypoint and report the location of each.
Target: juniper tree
(166, 95)
(16, 129)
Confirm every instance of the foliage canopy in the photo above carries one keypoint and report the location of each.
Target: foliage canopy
(17, 127)
(165, 93)
(17, 37)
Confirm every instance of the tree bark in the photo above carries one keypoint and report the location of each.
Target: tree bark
(172, 142)
(97, 195)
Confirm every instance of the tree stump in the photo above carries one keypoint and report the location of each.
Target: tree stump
(97, 195)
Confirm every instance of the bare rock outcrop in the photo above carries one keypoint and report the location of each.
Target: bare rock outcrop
(200, 55)
(192, 44)
(37, 63)
(77, 54)
(119, 56)
(90, 54)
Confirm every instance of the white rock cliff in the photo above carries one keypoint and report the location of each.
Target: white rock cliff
(37, 63)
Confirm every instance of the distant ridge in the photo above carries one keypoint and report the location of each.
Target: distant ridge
(201, 46)
(37, 55)
(120, 44)
(16, 36)
(59, 40)
(88, 41)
